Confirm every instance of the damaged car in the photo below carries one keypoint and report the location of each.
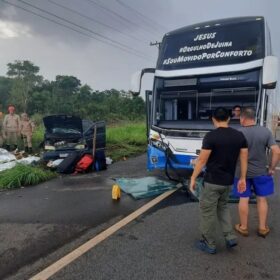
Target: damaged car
(65, 135)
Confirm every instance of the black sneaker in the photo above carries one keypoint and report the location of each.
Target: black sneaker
(231, 243)
(203, 246)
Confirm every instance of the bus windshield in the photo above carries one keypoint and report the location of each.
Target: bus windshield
(190, 107)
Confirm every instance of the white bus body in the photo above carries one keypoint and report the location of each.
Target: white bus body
(201, 67)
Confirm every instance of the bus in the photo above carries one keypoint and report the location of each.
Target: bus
(225, 62)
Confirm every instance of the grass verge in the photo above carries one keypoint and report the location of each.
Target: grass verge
(126, 140)
(23, 175)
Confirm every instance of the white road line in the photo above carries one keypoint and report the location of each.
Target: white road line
(64, 261)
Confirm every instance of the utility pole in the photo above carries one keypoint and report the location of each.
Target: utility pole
(156, 43)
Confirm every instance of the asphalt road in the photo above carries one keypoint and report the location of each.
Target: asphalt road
(160, 245)
(41, 224)
(38, 221)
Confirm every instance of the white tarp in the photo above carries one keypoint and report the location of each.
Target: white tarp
(6, 156)
(9, 160)
(28, 160)
(7, 165)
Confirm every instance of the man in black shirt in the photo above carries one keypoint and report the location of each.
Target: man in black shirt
(220, 151)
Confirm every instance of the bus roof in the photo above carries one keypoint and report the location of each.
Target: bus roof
(218, 46)
(217, 22)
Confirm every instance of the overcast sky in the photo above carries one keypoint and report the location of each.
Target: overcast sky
(130, 26)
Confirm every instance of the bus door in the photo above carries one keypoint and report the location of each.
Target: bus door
(148, 94)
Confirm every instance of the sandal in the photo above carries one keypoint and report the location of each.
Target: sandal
(243, 232)
(263, 232)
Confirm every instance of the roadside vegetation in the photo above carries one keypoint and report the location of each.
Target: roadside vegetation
(24, 87)
(126, 140)
(31, 93)
(23, 175)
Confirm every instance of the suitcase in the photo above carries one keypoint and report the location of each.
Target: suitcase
(68, 165)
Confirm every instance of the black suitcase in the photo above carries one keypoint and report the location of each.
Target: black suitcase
(68, 165)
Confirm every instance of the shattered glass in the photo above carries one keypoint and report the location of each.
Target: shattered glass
(144, 187)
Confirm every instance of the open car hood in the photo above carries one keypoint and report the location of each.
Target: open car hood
(63, 124)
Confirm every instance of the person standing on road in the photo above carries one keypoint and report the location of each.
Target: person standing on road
(11, 126)
(258, 176)
(26, 130)
(220, 151)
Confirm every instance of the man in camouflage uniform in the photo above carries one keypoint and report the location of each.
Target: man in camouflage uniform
(26, 130)
(11, 126)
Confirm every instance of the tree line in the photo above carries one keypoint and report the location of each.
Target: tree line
(30, 92)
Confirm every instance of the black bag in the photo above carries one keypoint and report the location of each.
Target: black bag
(68, 165)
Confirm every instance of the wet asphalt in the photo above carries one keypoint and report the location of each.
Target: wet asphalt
(37, 221)
(161, 245)
(41, 224)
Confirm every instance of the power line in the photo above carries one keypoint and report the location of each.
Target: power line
(92, 19)
(147, 19)
(119, 16)
(73, 29)
(82, 27)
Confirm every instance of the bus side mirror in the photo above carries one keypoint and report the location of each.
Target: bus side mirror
(135, 84)
(136, 79)
(270, 72)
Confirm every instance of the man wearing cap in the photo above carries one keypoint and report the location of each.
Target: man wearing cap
(11, 127)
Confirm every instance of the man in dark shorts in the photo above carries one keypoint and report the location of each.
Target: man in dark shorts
(220, 151)
(258, 176)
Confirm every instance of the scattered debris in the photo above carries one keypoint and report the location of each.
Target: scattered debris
(55, 163)
(7, 165)
(144, 187)
(6, 156)
(116, 192)
(109, 161)
(9, 160)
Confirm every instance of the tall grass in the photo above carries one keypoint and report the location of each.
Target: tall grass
(38, 137)
(126, 140)
(23, 175)
(130, 133)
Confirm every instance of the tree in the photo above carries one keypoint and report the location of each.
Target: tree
(5, 88)
(65, 87)
(25, 79)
